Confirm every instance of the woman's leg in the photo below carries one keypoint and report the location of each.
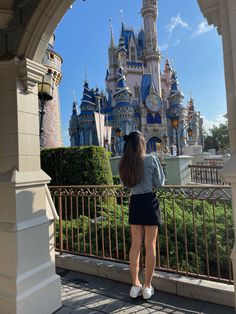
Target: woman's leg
(150, 248)
(134, 253)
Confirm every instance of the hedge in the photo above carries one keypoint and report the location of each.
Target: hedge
(77, 165)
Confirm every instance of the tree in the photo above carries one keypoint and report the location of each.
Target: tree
(218, 137)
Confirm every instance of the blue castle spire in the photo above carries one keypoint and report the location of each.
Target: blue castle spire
(75, 108)
(121, 87)
(176, 96)
(88, 100)
(86, 117)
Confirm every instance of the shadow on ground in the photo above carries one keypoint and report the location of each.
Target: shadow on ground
(82, 294)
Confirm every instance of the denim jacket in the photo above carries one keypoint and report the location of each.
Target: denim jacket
(153, 176)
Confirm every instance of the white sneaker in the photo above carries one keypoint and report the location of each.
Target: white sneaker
(148, 293)
(135, 291)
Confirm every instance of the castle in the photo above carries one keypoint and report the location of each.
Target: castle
(138, 95)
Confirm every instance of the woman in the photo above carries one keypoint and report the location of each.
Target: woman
(142, 173)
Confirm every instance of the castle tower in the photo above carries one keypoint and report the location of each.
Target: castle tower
(51, 135)
(123, 110)
(152, 54)
(113, 66)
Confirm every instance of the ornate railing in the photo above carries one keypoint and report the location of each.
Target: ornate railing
(211, 162)
(207, 174)
(195, 239)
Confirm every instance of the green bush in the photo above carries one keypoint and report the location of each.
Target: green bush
(77, 165)
(116, 180)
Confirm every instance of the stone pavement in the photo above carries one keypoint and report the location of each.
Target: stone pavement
(83, 294)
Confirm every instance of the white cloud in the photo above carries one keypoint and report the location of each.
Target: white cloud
(177, 42)
(175, 21)
(208, 124)
(164, 46)
(202, 28)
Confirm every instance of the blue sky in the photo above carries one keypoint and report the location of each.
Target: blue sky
(194, 48)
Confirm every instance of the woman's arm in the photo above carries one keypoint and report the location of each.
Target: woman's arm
(158, 174)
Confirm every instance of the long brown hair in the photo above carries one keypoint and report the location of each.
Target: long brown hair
(131, 168)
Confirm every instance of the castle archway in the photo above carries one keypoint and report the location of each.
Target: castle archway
(152, 144)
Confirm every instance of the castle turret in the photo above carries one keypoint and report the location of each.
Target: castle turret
(123, 110)
(176, 110)
(86, 117)
(152, 55)
(51, 123)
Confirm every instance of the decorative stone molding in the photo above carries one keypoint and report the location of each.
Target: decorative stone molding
(30, 73)
(6, 12)
(211, 11)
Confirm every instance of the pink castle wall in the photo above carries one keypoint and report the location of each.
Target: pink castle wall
(51, 136)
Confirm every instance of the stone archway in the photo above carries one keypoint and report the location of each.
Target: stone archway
(42, 24)
(27, 275)
(28, 283)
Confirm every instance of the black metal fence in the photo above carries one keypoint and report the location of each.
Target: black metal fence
(207, 174)
(195, 239)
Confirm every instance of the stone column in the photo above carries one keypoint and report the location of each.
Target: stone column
(28, 283)
(227, 28)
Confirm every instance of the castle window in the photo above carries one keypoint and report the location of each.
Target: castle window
(51, 56)
(153, 119)
(136, 91)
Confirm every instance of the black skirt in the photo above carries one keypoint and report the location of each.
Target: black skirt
(144, 210)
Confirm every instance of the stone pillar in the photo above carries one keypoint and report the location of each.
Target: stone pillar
(177, 170)
(227, 28)
(28, 283)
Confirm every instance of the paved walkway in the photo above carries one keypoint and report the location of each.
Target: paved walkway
(85, 294)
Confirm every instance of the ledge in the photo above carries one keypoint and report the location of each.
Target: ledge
(189, 287)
